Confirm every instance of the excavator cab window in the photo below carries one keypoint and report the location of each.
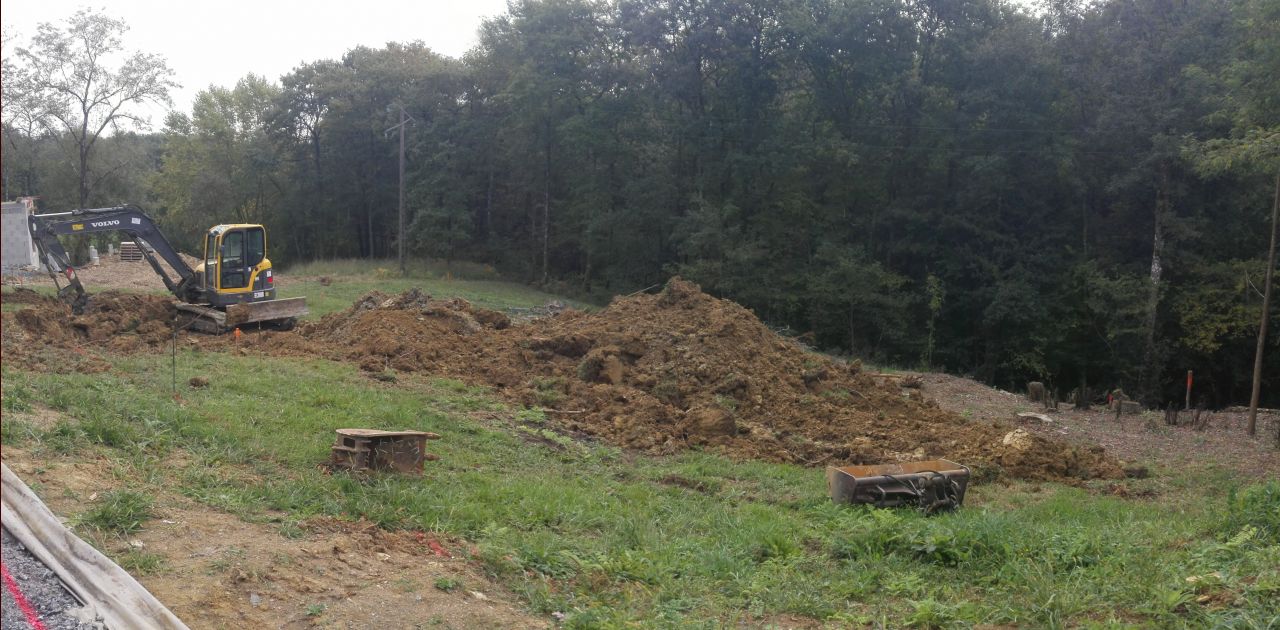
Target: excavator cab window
(235, 274)
(255, 246)
(211, 260)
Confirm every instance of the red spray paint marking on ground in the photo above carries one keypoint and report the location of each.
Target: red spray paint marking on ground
(27, 609)
(433, 544)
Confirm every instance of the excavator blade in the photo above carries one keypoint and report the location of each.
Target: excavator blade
(269, 311)
(282, 313)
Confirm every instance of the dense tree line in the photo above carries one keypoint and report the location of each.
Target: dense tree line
(1079, 194)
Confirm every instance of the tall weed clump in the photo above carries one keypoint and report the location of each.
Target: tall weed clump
(1256, 506)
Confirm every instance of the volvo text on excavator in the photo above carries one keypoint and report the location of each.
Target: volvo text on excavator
(234, 286)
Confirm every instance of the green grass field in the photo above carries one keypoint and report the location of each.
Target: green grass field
(351, 279)
(615, 539)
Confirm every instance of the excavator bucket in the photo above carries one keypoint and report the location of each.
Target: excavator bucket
(933, 486)
(281, 313)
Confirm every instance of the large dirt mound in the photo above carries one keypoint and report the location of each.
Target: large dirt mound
(47, 335)
(681, 369)
(408, 332)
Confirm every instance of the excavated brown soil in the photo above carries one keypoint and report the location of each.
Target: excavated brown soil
(658, 373)
(680, 369)
(46, 335)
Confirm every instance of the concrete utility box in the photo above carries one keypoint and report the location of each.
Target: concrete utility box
(16, 249)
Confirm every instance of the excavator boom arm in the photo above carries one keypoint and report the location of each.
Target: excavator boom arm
(131, 220)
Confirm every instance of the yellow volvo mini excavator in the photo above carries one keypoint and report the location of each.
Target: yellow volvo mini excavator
(234, 286)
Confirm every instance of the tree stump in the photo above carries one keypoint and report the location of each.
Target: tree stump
(1036, 392)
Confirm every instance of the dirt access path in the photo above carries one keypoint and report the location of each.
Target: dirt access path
(112, 273)
(214, 570)
(1142, 438)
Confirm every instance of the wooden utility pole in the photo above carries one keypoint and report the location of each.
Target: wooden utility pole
(1266, 308)
(405, 119)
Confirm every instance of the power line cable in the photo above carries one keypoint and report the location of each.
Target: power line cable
(1062, 151)
(1037, 130)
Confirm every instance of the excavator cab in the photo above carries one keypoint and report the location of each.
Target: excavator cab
(236, 268)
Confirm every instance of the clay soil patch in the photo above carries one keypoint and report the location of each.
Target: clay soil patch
(677, 370)
(47, 336)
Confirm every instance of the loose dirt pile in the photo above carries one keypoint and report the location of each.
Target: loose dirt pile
(680, 369)
(408, 332)
(47, 335)
(658, 373)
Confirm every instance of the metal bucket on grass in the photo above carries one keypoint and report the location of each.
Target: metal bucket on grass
(934, 485)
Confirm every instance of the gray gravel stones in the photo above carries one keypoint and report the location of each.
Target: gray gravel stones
(58, 610)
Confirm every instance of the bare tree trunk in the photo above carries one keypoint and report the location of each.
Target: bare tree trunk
(1082, 401)
(84, 179)
(546, 229)
(400, 234)
(488, 207)
(1266, 308)
(80, 244)
(1151, 371)
(84, 153)
(532, 209)
(589, 242)
(546, 198)
(315, 153)
(1084, 226)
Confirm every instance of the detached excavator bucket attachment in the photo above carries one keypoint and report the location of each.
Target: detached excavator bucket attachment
(934, 485)
(280, 313)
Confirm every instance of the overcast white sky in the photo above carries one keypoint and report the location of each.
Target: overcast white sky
(217, 42)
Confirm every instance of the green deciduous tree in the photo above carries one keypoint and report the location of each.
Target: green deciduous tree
(219, 165)
(78, 87)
